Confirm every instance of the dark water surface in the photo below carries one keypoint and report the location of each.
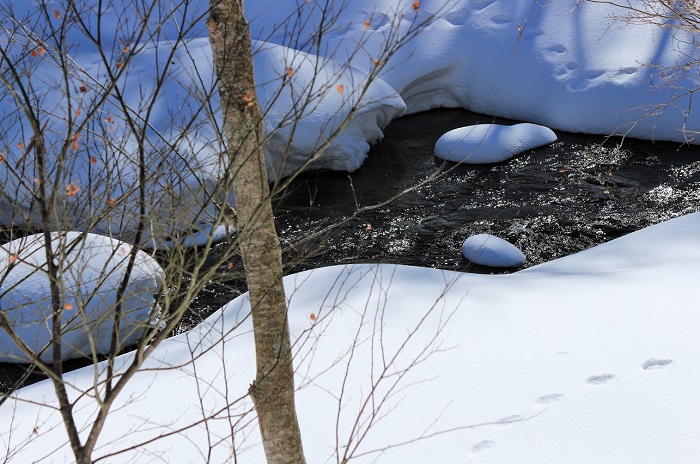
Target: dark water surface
(550, 202)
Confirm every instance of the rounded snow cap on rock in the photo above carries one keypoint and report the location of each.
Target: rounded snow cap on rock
(489, 250)
(92, 271)
(491, 143)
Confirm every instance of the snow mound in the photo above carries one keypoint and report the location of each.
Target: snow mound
(306, 100)
(492, 251)
(568, 67)
(491, 143)
(91, 268)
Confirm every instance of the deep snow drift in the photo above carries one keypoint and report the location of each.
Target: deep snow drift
(92, 268)
(589, 358)
(567, 65)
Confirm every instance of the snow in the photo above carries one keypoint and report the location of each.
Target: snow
(92, 268)
(567, 66)
(588, 358)
(489, 250)
(308, 108)
(491, 143)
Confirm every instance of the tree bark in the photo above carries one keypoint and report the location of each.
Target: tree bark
(273, 388)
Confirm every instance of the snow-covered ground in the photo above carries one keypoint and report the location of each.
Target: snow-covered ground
(567, 65)
(589, 358)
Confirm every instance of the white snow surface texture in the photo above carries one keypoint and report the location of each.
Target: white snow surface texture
(92, 268)
(589, 358)
(491, 143)
(489, 250)
(568, 66)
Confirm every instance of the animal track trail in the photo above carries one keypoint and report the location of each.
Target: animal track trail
(376, 20)
(601, 379)
(458, 18)
(653, 363)
(628, 70)
(649, 364)
(594, 73)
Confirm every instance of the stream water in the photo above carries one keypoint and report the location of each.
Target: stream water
(550, 202)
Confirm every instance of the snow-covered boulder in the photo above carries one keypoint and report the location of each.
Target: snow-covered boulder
(491, 143)
(489, 250)
(91, 269)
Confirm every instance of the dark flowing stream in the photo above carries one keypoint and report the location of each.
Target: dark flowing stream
(550, 202)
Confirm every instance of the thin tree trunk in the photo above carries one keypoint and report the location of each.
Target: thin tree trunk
(273, 389)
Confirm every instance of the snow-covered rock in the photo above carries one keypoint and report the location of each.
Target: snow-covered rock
(91, 269)
(491, 143)
(492, 251)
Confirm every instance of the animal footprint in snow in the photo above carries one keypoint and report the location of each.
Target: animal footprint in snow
(511, 419)
(553, 398)
(654, 363)
(558, 48)
(501, 19)
(600, 379)
(457, 18)
(482, 446)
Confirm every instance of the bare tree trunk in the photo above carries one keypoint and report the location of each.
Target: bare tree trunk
(273, 389)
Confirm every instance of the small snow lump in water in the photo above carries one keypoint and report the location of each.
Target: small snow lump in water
(489, 250)
(491, 143)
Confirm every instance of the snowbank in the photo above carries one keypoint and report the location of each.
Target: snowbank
(323, 108)
(311, 105)
(489, 250)
(491, 143)
(563, 66)
(558, 363)
(91, 268)
(567, 65)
